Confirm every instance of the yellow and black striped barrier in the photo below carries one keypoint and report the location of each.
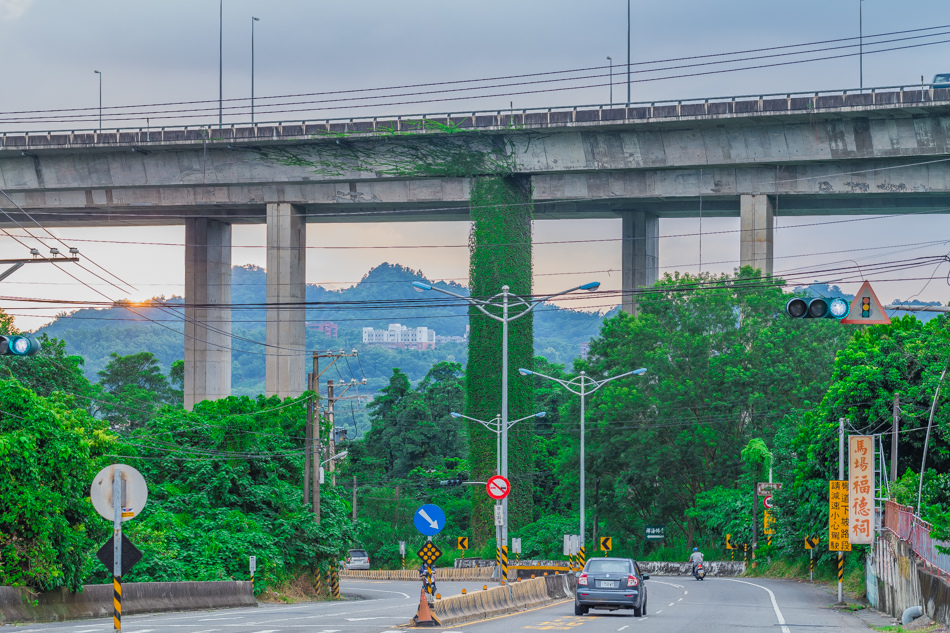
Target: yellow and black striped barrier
(334, 574)
(840, 568)
(504, 564)
(580, 558)
(117, 602)
(318, 581)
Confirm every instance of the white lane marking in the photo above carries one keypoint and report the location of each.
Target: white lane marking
(778, 612)
(623, 627)
(404, 595)
(230, 617)
(685, 592)
(679, 599)
(378, 617)
(670, 604)
(267, 631)
(660, 611)
(668, 584)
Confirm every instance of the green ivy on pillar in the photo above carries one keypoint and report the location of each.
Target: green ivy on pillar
(500, 245)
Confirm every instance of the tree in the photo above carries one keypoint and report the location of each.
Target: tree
(724, 365)
(49, 454)
(133, 388)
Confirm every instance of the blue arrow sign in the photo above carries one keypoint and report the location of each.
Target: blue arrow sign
(429, 519)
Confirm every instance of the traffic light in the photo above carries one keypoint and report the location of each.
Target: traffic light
(820, 308)
(451, 482)
(18, 345)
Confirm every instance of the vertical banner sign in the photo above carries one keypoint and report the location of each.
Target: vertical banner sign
(861, 489)
(838, 517)
(768, 523)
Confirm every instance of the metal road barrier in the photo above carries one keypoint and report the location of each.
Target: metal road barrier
(441, 573)
(807, 102)
(906, 525)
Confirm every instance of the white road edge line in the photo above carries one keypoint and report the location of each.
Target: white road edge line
(778, 612)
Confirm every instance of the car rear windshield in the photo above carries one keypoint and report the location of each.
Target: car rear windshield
(359, 553)
(608, 566)
(942, 79)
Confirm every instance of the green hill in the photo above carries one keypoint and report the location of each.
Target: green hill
(378, 300)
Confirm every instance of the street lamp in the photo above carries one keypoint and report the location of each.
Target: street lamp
(494, 425)
(610, 62)
(582, 382)
(327, 461)
(861, 42)
(221, 64)
(508, 301)
(253, 20)
(100, 98)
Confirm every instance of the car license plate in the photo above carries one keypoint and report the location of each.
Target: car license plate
(608, 584)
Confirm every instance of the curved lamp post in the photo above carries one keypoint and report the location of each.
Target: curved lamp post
(582, 385)
(506, 302)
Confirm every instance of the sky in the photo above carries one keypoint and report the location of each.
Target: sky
(161, 52)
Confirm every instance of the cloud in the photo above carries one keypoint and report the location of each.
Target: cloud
(12, 9)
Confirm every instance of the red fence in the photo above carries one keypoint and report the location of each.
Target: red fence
(902, 521)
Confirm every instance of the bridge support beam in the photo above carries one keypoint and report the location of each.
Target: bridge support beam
(207, 330)
(640, 254)
(756, 213)
(286, 283)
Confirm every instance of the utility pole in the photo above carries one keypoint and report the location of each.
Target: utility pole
(894, 430)
(307, 442)
(354, 498)
(331, 440)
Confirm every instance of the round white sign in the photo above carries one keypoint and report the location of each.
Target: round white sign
(135, 492)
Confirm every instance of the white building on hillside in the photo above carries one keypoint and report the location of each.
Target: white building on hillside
(400, 336)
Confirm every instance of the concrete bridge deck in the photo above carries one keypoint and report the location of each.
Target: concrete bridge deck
(873, 152)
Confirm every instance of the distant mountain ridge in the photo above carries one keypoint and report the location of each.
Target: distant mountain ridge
(384, 295)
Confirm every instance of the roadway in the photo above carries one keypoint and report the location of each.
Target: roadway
(715, 605)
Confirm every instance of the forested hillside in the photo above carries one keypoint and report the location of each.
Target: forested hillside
(374, 302)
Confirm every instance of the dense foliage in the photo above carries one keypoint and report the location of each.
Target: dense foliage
(500, 244)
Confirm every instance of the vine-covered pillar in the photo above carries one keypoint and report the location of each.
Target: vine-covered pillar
(500, 245)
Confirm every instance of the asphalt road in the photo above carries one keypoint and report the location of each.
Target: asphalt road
(715, 605)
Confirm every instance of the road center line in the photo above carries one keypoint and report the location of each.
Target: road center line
(778, 612)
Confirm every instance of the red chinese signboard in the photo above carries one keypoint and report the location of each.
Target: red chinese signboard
(861, 489)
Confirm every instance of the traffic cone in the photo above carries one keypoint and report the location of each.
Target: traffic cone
(424, 615)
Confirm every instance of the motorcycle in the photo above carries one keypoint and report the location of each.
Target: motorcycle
(699, 573)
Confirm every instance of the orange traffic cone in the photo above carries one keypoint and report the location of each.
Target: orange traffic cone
(424, 615)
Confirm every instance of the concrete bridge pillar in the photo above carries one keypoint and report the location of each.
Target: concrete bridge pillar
(286, 283)
(756, 232)
(640, 254)
(207, 329)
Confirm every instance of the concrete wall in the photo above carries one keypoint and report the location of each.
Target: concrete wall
(19, 605)
(897, 579)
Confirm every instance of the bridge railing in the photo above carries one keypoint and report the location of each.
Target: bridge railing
(741, 105)
(903, 522)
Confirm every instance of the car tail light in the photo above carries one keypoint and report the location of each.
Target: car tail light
(582, 580)
(632, 581)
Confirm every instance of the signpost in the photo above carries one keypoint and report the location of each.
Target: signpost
(866, 309)
(462, 542)
(838, 540)
(402, 553)
(516, 548)
(606, 544)
(118, 493)
(498, 487)
(811, 542)
(429, 519)
(764, 488)
(860, 489)
(499, 516)
(655, 532)
(252, 565)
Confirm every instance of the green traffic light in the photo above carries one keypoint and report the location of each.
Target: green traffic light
(18, 345)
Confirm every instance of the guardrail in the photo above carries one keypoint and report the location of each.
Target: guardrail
(634, 112)
(906, 525)
(441, 573)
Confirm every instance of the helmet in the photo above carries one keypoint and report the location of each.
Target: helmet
(695, 549)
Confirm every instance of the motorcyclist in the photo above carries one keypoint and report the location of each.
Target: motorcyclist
(696, 558)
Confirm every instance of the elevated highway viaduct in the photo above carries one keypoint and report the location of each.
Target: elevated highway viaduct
(883, 151)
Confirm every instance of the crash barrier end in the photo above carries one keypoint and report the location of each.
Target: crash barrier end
(502, 600)
(18, 604)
